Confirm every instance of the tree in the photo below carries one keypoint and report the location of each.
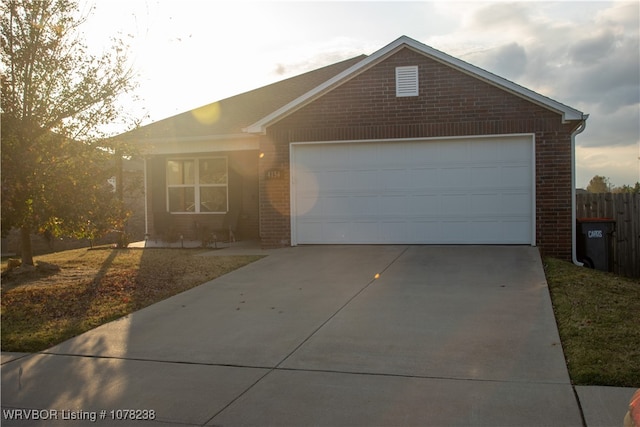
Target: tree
(56, 96)
(628, 189)
(599, 184)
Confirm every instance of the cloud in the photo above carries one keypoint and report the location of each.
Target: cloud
(612, 129)
(622, 16)
(610, 81)
(509, 61)
(593, 49)
(515, 16)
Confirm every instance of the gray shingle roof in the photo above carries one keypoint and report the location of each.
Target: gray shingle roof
(233, 114)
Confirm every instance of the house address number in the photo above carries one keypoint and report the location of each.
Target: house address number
(273, 174)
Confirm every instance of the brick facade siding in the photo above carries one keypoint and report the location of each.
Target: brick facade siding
(450, 103)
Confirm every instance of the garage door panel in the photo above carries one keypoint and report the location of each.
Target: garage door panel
(454, 205)
(485, 231)
(423, 155)
(454, 231)
(455, 177)
(478, 190)
(516, 204)
(393, 231)
(422, 204)
(454, 152)
(517, 176)
(363, 180)
(393, 178)
(362, 159)
(423, 178)
(361, 206)
(516, 150)
(392, 154)
(486, 177)
(310, 231)
(485, 204)
(306, 179)
(422, 228)
(332, 206)
(392, 205)
(484, 152)
(332, 181)
(515, 231)
(335, 231)
(307, 206)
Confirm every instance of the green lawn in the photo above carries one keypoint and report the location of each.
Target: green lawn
(598, 317)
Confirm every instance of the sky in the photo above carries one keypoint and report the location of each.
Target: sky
(189, 53)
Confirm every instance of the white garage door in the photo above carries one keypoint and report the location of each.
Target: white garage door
(448, 191)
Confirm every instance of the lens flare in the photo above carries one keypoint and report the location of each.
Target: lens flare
(207, 115)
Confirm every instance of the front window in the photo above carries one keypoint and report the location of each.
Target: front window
(197, 185)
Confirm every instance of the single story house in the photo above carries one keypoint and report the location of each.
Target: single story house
(405, 146)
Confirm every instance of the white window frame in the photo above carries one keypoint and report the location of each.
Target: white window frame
(196, 184)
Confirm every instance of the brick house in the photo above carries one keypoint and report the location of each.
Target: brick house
(407, 145)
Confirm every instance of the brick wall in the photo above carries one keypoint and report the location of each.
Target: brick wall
(451, 103)
(275, 225)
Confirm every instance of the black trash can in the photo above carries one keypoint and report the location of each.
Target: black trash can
(595, 242)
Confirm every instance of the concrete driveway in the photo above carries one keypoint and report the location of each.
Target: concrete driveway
(322, 335)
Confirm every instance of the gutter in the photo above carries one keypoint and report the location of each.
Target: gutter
(578, 131)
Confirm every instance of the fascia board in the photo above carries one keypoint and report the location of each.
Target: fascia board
(204, 144)
(568, 113)
(190, 139)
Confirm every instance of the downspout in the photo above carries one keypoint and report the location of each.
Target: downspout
(579, 130)
(146, 203)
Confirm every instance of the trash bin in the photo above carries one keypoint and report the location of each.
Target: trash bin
(595, 244)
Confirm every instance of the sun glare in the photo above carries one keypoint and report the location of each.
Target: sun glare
(208, 114)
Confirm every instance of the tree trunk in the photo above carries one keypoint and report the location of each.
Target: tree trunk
(26, 249)
(119, 176)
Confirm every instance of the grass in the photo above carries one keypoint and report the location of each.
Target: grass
(41, 309)
(598, 317)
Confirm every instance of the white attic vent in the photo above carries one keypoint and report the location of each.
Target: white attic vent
(407, 81)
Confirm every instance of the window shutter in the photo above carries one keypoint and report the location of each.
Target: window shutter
(407, 81)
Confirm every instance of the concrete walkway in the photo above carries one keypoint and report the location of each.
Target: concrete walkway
(327, 335)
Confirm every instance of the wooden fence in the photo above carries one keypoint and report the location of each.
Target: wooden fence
(624, 209)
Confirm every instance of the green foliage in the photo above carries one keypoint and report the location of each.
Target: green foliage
(56, 99)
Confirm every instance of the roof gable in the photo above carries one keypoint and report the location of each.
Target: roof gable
(568, 113)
